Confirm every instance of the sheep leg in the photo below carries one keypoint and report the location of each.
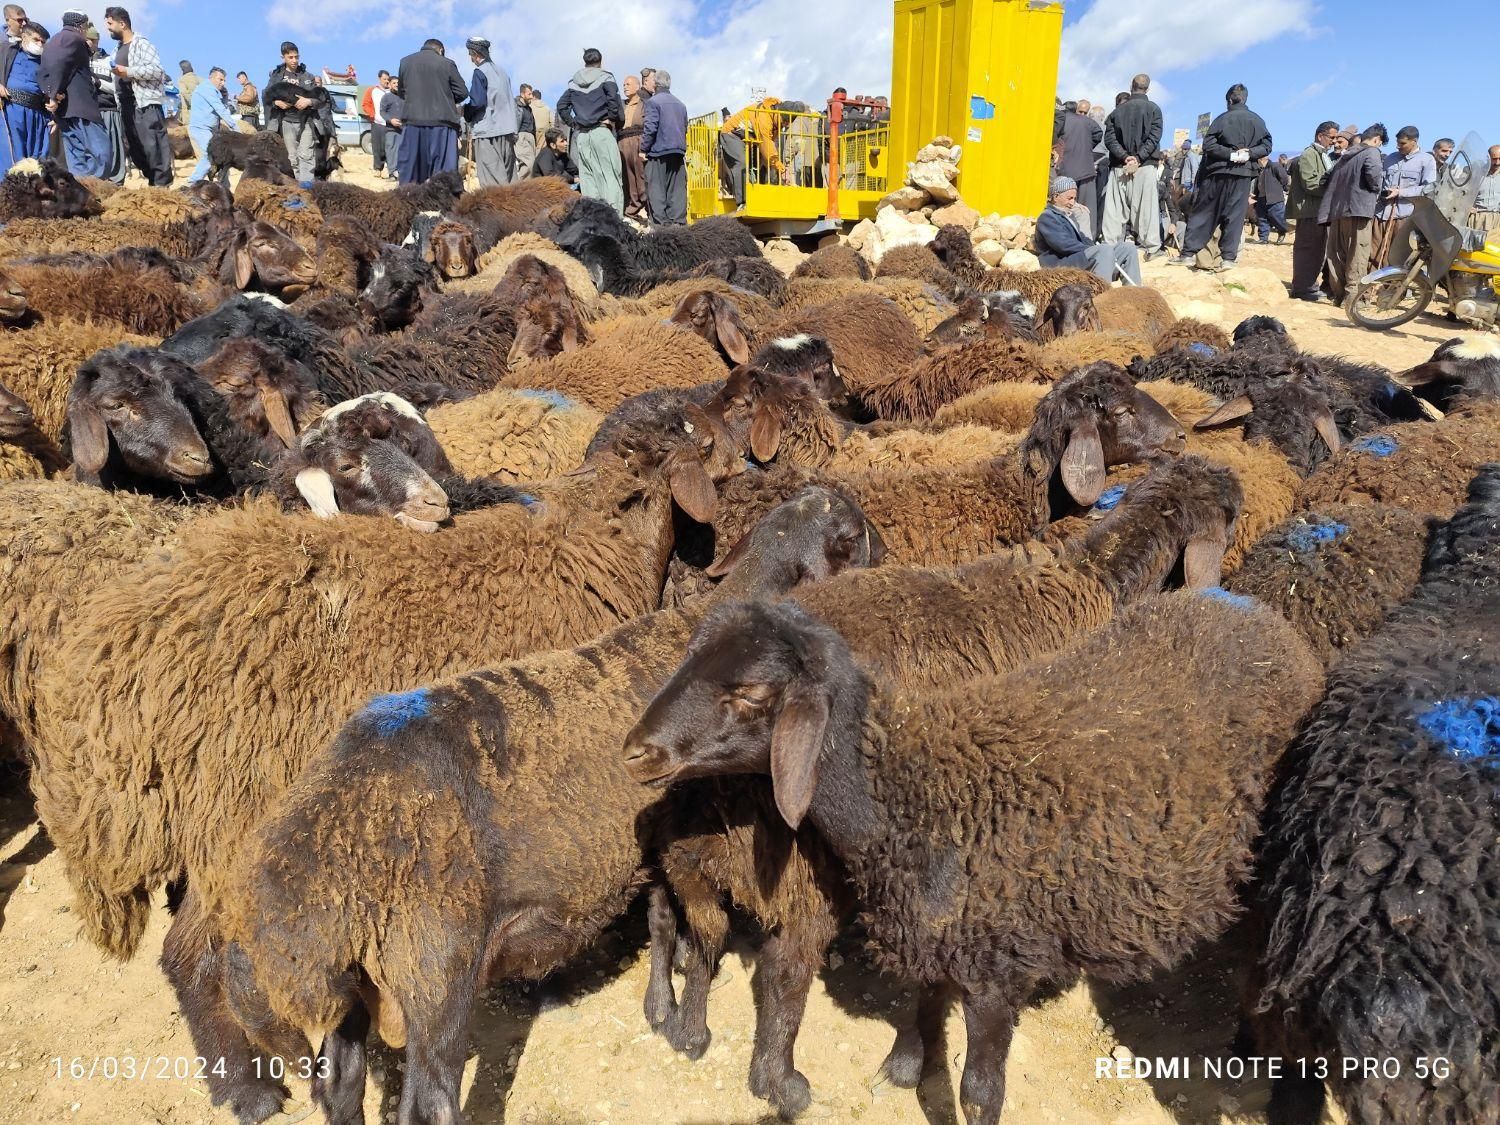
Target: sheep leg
(436, 1046)
(661, 997)
(1295, 1101)
(788, 961)
(990, 1017)
(338, 1087)
(919, 1044)
(708, 928)
(196, 973)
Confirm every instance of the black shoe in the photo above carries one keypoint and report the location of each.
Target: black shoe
(1152, 255)
(1183, 260)
(1314, 296)
(1281, 240)
(1264, 241)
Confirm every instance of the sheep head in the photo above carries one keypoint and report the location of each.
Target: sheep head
(51, 192)
(1459, 369)
(1287, 406)
(545, 327)
(1070, 309)
(451, 248)
(678, 442)
(816, 534)
(16, 418)
(266, 256)
(399, 286)
(13, 304)
(267, 394)
(125, 398)
(715, 318)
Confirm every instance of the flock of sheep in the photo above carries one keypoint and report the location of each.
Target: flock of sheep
(1040, 632)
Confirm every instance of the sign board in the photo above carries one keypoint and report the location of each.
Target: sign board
(1178, 136)
(1203, 120)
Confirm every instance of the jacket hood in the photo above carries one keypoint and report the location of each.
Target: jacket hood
(590, 76)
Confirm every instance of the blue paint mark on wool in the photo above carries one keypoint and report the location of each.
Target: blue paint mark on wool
(1200, 348)
(1110, 498)
(394, 713)
(527, 500)
(1238, 601)
(1377, 445)
(552, 398)
(1466, 728)
(293, 204)
(1306, 537)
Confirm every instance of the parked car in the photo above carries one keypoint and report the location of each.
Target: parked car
(353, 130)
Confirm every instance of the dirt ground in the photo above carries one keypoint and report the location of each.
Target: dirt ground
(576, 1048)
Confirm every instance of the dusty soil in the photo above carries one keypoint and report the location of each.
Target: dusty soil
(576, 1048)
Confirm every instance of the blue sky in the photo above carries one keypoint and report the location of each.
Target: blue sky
(1302, 59)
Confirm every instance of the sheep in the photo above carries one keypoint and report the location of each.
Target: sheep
(187, 239)
(957, 887)
(165, 207)
(259, 255)
(871, 338)
(716, 319)
(144, 300)
(397, 288)
(1134, 309)
(180, 142)
(236, 150)
(24, 450)
(98, 188)
(598, 237)
(750, 273)
(268, 395)
(1071, 309)
(14, 307)
(628, 355)
(955, 250)
(918, 263)
(921, 303)
(326, 597)
(756, 312)
(927, 628)
(1187, 331)
(563, 715)
(1068, 353)
(287, 207)
(545, 328)
(388, 214)
(40, 363)
(1459, 371)
(1292, 412)
(494, 213)
(451, 248)
(494, 264)
(993, 314)
(1335, 572)
(51, 192)
(345, 253)
(141, 419)
(834, 262)
(933, 382)
(1378, 892)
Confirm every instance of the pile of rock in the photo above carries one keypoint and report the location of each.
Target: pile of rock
(929, 199)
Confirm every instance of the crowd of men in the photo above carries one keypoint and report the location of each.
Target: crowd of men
(1344, 193)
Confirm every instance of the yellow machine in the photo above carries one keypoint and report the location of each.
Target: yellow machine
(983, 72)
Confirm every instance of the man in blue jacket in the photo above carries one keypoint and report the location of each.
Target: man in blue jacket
(210, 112)
(1064, 237)
(663, 147)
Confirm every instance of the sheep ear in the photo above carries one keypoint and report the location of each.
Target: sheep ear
(765, 432)
(1429, 372)
(731, 560)
(1327, 429)
(244, 265)
(90, 440)
(795, 743)
(731, 330)
(278, 414)
(1231, 411)
(429, 253)
(1203, 559)
(875, 544)
(316, 487)
(1083, 464)
(694, 490)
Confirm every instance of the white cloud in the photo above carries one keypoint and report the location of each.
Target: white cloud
(1116, 38)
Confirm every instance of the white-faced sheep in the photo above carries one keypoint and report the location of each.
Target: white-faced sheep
(1380, 870)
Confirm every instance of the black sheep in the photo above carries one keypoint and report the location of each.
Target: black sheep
(240, 150)
(1380, 863)
(52, 193)
(595, 235)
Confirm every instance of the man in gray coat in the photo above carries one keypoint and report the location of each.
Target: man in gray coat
(492, 114)
(1348, 210)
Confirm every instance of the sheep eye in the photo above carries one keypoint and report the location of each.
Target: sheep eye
(111, 406)
(348, 467)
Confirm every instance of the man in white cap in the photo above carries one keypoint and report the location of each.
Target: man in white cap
(492, 113)
(1064, 237)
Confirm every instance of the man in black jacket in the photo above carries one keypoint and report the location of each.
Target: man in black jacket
(1270, 199)
(1133, 136)
(1080, 136)
(66, 80)
(295, 119)
(432, 90)
(1232, 149)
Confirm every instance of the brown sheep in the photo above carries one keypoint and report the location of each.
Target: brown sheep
(25, 452)
(289, 208)
(716, 318)
(495, 264)
(1188, 331)
(1134, 309)
(757, 314)
(141, 299)
(515, 436)
(99, 236)
(923, 305)
(150, 205)
(871, 338)
(834, 262)
(496, 212)
(1070, 310)
(920, 264)
(955, 250)
(39, 363)
(1068, 353)
(934, 381)
(746, 273)
(388, 214)
(452, 249)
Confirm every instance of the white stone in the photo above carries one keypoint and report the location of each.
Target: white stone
(861, 231)
(1011, 226)
(960, 214)
(905, 199)
(1023, 260)
(935, 178)
(990, 251)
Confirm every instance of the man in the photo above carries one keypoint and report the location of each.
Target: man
(1409, 172)
(1064, 237)
(1343, 142)
(67, 82)
(1310, 242)
(432, 91)
(492, 114)
(1080, 136)
(248, 102)
(1184, 182)
(663, 148)
(1348, 209)
(296, 120)
(541, 113)
(10, 46)
(140, 86)
(525, 132)
(393, 109)
(1441, 153)
(185, 87)
(760, 121)
(591, 107)
(1232, 149)
(370, 107)
(209, 112)
(115, 163)
(1270, 200)
(1133, 137)
(648, 83)
(632, 160)
(554, 160)
(1486, 214)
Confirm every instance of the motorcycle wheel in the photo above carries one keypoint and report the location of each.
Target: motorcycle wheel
(1376, 307)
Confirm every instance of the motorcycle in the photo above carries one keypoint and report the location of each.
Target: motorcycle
(1466, 263)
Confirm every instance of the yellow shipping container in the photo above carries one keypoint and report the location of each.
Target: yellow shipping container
(983, 72)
